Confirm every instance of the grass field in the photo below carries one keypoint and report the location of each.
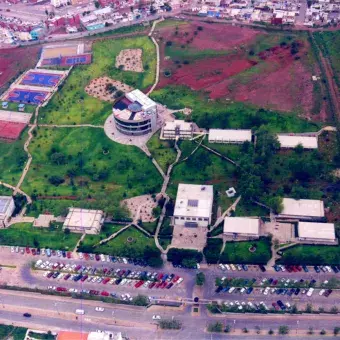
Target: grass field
(238, 252)
(162, 151)
(311, 255)
(72, 105)
(14, 107)
(237, 115)
(329, 41)
(25, 235)
(120, 246)
(122, 30)
(12, 160)
(84, 173)
(12, 333)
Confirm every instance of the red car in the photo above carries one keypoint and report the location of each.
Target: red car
(159, 276)
(87, 256)
(77, 268)
(49, 275)
(27, 250)
(84, 278)
(94, 292)
(67, 276)
(104, 293)
(54, 253)
(274, 283)
(106, 280)
(33, 251)
(61, 289)
(163, 285)
(152, 284)
(276, 306)
(299, 268)
(69, 254)
(175, 279)
(139, 283)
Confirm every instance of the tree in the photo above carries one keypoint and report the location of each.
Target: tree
(294, 309)
(140, 300)
(336, 330)
(245, 330)
(323, 332)
(96, 4)
(170, 324)
(168, 43)
(299, 149)
(334, 310)
(56, 180)
(310, 331)
(215, 327)
(283, 330)
(67, 231)
(309, 308)
(58, 158)
(270, 332)
(227, 329)
(257, 329)
(189, 263)
(200, 279)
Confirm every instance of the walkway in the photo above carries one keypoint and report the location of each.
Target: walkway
(219, 154)
(274, 251)
(221, 218)
(71, 126)
(112, 235)
(28, 198)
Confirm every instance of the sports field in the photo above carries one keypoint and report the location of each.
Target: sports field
(73, 105)
(40, 79)
(10, 130)
(81, 59)
(27, 96)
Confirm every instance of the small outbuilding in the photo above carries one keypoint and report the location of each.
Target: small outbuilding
(7, 207)
(242, 226)
(4, 105)
(84, 221)
(229, 136)
(316, 232)
(291, 141)
(177, 129)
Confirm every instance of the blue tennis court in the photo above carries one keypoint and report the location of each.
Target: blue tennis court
(27, 96)
(41, 79)
(75, 60)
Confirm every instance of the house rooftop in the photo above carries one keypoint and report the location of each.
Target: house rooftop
(83, 218)
(241, 225)
(311, 208)
(291, 141)
(5, 201)
(313, 230)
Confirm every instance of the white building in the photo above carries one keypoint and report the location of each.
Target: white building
(316, 232)
(242, 226)
(58, 3)
(177, 129)
(7, 207)
(291, 141)
(84, 221)
(193, 206)
(229, 136)
(302, 209)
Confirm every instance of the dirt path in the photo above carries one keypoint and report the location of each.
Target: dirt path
(71, 126)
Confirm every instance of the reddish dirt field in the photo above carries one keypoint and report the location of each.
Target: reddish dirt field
(10, 130)
(16, 60)
(213, 36)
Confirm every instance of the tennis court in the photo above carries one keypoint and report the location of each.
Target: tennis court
(57, 51)
(41, 79)
(11, 130)
(68, 61)
(27, 96)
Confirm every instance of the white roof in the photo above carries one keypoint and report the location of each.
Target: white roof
(241, 225)
(308, 142)
(141, 98)
(83, 218)
(194, 200)
(312, 208)
(230, 135)
(316, 230)
(5, 202)
(183, 125)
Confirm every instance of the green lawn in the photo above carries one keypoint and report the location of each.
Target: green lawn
(238, 252)
(71, 104)
(233, 151)
(12, 333)
(311, 255)
(250, 209)
(162, 151)
(24, 234)
(122, 30)
(88, 175)
(150, 226)
(219, 114)
(12, 160)
(119, 246)
(14, 107)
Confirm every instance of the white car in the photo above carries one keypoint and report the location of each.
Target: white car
(227, 267)
(232, 267)
(231, 290)
(43, 252)
(322, 291)
(221, 266)
(156, 317)
(310, 291)
(80, 255)
(99, 309)
(12, 249)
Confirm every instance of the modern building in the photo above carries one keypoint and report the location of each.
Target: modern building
(177, 129)
(242, 226)
(312, 232)
(66, 335)
(229, 136)
(193, 205)
(135, 114)
(84, 221)
(7, 207)
(58, 3)
(291, 141)
(302, 209)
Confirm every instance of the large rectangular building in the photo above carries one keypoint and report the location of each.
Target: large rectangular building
(7, 207)
(302, 209)
(229, 136)
(316, 232)
(177, 129)
(84, 221)
(291, 141)
(242, 226)
(193, 205)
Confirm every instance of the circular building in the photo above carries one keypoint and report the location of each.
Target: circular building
(135, 114)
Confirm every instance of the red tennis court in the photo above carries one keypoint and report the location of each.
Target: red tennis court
(10, 130)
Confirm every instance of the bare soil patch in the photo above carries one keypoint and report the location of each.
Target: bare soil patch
(130, 60)
(98, 88)
(141, 205)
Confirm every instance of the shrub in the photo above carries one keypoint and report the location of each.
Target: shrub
(215, 327)
(200, 279)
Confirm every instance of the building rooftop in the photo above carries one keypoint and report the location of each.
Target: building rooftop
(231, 135)
(312, 230)
(308, 142)
(312, 208)
(241, 225)
(4, 203)
(141, 98)
(194, 200)
(64, 335)
(83, 218)
(181, 123)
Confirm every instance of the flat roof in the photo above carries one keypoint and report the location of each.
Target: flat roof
(308, 142)
(83, 218)
(141, 98)
(64, 335)
(183, 125)
(313, 208)
(324, 231)
(5, 201)
(241, 225)
(230, 135)
(194, 200)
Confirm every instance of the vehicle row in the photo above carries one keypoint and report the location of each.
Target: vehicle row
(238, 267)
(297, 268)
(109, 258)
(37, 251)
(256, 306)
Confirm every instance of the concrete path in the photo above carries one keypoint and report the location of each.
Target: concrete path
(80, 240)
(274, 251)
(71, 126)
(221, 218)
(112, 235)
(21, 219)
(29, 199)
